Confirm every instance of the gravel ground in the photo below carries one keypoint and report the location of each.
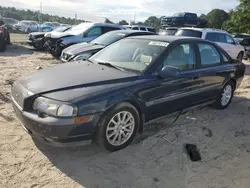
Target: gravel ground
(223, 138)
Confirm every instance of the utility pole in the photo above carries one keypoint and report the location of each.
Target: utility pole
(134, 17)
(75, 18)
(41, 13)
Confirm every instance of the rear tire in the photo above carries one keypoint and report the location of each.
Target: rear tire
(225, 96)
(118, 127)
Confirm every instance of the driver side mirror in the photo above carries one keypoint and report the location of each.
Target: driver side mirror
(169, 71)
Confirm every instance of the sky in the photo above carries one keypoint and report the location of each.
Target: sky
(116, 10)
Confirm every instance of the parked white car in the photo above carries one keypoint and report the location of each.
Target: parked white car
(140, 28)
(222, 38)
(26, 26)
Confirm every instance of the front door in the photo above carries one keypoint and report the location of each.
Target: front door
(169, 95)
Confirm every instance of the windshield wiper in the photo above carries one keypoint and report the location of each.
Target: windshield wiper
(111, 65)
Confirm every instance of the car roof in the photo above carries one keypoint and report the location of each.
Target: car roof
(204, 29)
(108, 24)
(128, 32)
(138, 26)
(168, 39)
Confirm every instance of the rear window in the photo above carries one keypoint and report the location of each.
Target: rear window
(188, 33)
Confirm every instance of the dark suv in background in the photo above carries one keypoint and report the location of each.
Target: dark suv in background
(4, 36)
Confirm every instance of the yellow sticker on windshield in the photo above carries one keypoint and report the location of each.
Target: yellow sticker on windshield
(157, 43)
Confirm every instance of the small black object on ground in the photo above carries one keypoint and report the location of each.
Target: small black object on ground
(193, 152)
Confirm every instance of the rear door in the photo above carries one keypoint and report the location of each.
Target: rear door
(235, 50)
(211, 69)
(220, 39)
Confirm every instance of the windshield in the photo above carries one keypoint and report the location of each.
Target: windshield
(131, 54)
(188, 33)
(82, 26)
(179, 14)
(79, 29)
(108, 38)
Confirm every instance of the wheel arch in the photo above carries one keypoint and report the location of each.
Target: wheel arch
(136, 103)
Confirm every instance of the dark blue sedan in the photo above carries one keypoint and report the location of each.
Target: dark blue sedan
(109, 98)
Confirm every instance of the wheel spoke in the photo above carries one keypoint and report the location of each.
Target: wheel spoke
(119, 117)
(112, 134)
(119, 137)
(127, 130)
(124, 116)
(127, 125)
(128, 119)
(114, 122)
(123, 134)
(115, 137)
(111, 128)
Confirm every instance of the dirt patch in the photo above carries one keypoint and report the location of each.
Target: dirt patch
(222, 138)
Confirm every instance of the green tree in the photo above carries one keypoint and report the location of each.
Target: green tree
(217, 17)
(11, 12)
(239, 21)
(108, 21)
(123, 22)
(154, 22)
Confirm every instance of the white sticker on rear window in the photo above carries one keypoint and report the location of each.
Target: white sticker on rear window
(156, 43)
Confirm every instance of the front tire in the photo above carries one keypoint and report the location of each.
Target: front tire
(240, 56)
(118, 127)
(225, 97)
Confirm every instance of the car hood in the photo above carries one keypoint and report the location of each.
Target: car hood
(55, 34)
(82, 47)
(69, 78)
(37, 33)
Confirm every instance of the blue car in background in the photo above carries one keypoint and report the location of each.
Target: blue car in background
(84, 32)
(49, 26)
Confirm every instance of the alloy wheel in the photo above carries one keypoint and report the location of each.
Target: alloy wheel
(120, 128)
(226, 95)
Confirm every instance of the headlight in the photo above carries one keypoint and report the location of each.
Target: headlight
(82, 57)
(55, 108)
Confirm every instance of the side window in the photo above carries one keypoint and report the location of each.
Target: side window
(151, 30)
(212, 37)
(135, 28)
(108, 29)
(209, 55)
(182, 57)
(222, 38)
(96, 31)
(229, 39)
(143, 29)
